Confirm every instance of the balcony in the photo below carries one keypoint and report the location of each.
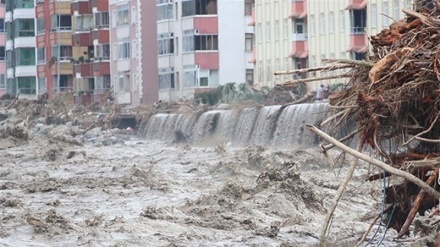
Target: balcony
(207, 59)
(60, 8)
(100, 5)
(82, 39)
(358, 40)
(102, 35)
(81, 8)
(92, 69)
(66, 68)
(254, 55)
(206, 24)
(356, 4)
(83, 70)
(299, 9)
(300, 49)
(299, 36)
(252, 23)
(101, 68)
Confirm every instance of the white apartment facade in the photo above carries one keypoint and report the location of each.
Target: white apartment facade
(202, 44)
(318, 29)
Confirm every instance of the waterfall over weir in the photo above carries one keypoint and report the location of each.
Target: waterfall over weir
(268, 126)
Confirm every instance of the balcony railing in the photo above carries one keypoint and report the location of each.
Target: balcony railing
(25, 33)
(299, 36)
(354, 30)
(27, 91)
(25, 62)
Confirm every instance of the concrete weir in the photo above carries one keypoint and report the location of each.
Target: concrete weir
(275, 126)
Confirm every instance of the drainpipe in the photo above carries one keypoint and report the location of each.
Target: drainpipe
(59, 47)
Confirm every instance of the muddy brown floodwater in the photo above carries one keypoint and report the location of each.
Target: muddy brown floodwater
(121, 190)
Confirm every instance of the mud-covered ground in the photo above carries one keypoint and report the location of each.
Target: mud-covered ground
(71, 185)
(112, 188)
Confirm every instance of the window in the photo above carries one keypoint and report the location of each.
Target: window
(268, 71)
(313, 61)
(41, 55)
(396, 10)
(102, 84)
(286, 29)
(41, 26)
(27, 85)
(267, 9)
(24, 56)
(260, 71)
(250, 77)
(249, 42)
(385, 14)
(124, 48)
(2, 53)
(205, 42)
(2, 81)
(65, 52)
(343, 54)
(331, 24)
(342, 20)
(2, 25)
(134, 49)
(199, 7)
(122, 15)
(208, 78)
(103, 51)
(322, 24)
(189, 76)
(373, 15)
(268, 31)
(164, 10)
(312, 24)
(124, 83)
(9, 59)
(408, 3)
(84, 22)
(277, 30)
(248, 7)
(188, 40)
(259, 33)
(61, 22)
(102, 20)
(165, 43)
(24, 28)
(166, 78)
(42, 85)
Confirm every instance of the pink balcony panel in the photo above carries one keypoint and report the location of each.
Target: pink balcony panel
(2, 39)
(2, 11)
(252, 23)
(208, 24)
(299, 9)
(358, 43)
(207, 60)
(356, 4)
(254, 55)
(300, 49)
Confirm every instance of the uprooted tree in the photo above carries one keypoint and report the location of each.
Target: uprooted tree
(394, 99)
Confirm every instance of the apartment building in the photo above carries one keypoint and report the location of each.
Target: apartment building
(202, 44)
(295, 34)
(21, 69)
(133, 48)
(90, 41)
(2, 48)
(53, 47)
(273, 33)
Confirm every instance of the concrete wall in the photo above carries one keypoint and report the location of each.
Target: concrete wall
(148, 64)
(231, 41)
